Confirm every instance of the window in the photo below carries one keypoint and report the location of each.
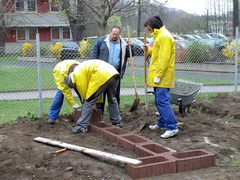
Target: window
(55, 33)
(21, 34)
(54, 5)
(32, 33)
(31, 5)
(66, 33)
(20, 5)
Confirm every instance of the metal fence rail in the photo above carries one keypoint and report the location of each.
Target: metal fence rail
(27, 81)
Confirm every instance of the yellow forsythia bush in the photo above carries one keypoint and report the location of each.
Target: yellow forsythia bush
(83, 50)
(27, 49)
(230, 50)
(56, 49)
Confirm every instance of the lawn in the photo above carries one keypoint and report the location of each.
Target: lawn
(8, 56)
(127, 80)
(23, 78)
(10, 110)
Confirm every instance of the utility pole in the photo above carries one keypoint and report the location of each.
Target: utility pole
(235, 16)
(139, 18)
(207, 22)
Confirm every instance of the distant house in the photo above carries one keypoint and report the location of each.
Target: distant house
(24, 18)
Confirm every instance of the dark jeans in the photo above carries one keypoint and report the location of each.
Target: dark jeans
(110, 88)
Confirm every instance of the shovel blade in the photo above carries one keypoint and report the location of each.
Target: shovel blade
(135, 104)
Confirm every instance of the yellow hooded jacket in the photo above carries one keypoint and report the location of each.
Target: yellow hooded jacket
(60, 71)
(90, 75)
(162, 62)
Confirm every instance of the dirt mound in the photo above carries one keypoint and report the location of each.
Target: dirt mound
(222, 104)
(210, 126)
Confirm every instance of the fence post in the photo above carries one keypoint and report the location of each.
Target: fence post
(39, 75)
(236, 62)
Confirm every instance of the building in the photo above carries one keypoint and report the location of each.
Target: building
(23, 18)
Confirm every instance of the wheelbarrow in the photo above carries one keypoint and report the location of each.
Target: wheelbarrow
(183, 94)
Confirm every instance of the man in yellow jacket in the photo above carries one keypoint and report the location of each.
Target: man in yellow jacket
(92, 78)
(60, 71)
(161, 74)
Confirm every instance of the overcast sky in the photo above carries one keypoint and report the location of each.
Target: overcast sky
(190, 6)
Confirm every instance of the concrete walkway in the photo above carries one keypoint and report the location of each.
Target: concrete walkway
(125, 91)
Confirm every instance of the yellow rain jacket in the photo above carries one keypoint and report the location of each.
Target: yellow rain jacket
(60, 71)
(90, 75)
(163, 59)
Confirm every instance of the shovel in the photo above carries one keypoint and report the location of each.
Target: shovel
(145, 75)
(137, 99)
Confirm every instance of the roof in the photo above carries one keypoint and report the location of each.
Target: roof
(36, 20)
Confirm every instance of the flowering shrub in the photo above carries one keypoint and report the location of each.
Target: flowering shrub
(27, 49)
(230, 50)
(56, 49)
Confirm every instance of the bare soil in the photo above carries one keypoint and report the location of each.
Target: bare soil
(211, 125)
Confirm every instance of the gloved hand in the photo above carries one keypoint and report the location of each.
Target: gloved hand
(76, 107)
(157, 80)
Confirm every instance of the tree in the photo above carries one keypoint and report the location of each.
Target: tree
(102, 10)
(5, 6)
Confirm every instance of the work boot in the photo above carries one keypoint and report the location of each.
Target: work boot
(78, 129)
(51, 121)
(169, 133)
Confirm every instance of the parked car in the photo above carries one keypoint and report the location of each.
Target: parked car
(217, 35)
(196, 36)
(181, 50)
(205, 36)
(137, 46)
(176, 37)
(188, 37)
(70, 50)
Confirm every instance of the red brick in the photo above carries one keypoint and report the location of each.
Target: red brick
(114, 132)
(96, 115)
(101, 124)
(129, 141)
(150, 148)
(152, 166)
(194, 159)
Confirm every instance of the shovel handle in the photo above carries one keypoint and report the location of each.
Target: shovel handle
(131, 64)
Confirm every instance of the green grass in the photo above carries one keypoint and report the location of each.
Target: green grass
(10, 110)
(127, 80)
(8, 56)
(23, 78)
(207, 81)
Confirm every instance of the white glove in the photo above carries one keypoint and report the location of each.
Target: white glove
(76, 107)
(156, 80)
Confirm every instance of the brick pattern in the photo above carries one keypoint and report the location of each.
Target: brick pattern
(156, 159)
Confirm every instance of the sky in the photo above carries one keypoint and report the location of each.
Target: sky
(190, 6)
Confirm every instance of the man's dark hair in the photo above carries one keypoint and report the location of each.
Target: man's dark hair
(116, 27)
(154, 22)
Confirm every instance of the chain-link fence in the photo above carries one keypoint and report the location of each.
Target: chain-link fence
(211, 62)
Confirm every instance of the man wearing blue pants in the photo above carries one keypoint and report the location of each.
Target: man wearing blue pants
(61, 70)
(161, 74)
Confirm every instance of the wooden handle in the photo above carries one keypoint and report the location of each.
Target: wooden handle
(131, 64)
(145, 72)
(59, 151)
